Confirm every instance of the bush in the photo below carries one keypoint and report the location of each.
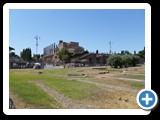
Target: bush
(115, 61)
(135, 60)
(126, 60)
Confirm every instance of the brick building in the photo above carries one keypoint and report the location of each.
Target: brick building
(85, 59)
(71, 46)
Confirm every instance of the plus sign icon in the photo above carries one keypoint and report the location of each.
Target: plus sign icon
(147, 99)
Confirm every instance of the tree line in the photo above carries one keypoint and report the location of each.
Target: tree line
(126, 59)
(26, 54)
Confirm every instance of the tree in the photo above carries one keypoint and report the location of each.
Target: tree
(26, 54)
(125, 60)
(141, 53)
(134, 60)
(115, 60)
(122, 52)
(130, 60)
(42, 55)
(10, 49)
(125, 52)
(64, 55)
(97, 51)
(86, 51)
(13, 55)
(36, 57)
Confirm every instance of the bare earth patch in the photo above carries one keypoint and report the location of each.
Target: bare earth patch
(111, 99)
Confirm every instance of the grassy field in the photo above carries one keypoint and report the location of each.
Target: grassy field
(73, 84)
(73, 89)
(30, 93)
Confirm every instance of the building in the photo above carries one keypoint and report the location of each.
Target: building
(51, 52)
(71, 46)
(91, 59)
(84, 58)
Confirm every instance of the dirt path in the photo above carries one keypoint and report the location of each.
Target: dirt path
(135, 74)
(106, 85)
(128, 79)
(64, 101)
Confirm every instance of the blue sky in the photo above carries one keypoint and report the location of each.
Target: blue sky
(92, 28)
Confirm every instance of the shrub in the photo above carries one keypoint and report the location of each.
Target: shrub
(115, 61)
(126, 60)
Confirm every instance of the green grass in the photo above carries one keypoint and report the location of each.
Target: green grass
(30, 93)
(137, 85)
(33, 95)
(73, 89)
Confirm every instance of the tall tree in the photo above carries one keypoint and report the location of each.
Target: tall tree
(122, 52)
(125, 52)
(141, 53)
(11, 48)
(97, 51)
(26, 54)
(64, 55)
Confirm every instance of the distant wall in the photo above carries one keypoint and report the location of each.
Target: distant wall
(48, 50)
(72, 45)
